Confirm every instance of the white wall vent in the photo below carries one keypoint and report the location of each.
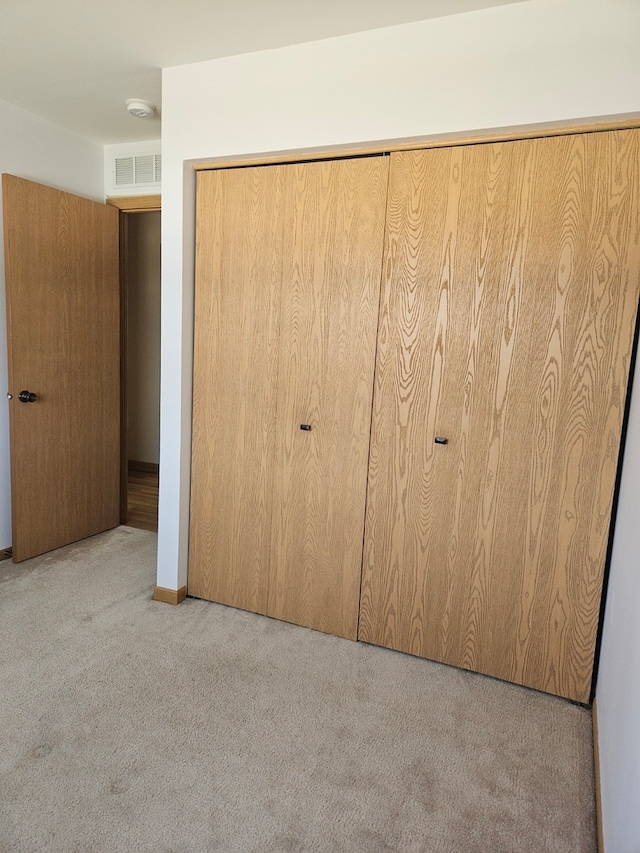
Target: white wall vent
(139, 170)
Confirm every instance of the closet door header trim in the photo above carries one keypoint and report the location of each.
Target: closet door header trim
(443, 142)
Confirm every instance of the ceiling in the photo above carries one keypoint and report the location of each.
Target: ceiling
(75, 62)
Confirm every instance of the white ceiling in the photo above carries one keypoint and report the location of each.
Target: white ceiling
(75, 62)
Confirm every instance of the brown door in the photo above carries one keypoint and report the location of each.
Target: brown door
(334, 222)
(62, 287)
(507, 321)
(287, 287)
(238, 274)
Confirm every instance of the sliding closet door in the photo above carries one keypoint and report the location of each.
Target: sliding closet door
(239, 244)
(508, 310)
(334, 226)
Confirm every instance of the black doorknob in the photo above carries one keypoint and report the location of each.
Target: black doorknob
(27, 397)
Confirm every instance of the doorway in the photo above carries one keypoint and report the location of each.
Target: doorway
(140, 272)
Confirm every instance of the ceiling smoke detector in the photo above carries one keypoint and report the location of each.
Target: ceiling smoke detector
(139, 108)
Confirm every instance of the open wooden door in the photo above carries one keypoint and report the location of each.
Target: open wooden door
(63, 319)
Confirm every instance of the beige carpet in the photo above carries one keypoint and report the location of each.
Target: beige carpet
(129, 725)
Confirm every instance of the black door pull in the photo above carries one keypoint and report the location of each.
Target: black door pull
(27, 397)
(306, 427)
(440, 439)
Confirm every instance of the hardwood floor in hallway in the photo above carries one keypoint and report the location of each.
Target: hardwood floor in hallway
(142, 500)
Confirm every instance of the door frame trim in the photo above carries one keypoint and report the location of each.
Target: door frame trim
(127, 206)
(135, 203)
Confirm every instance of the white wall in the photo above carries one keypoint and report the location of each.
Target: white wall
(143, 336)
(541, 61)
(619, 676)
(35, 149)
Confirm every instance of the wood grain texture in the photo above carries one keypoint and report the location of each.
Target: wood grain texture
(135, 203)
(142, 497)
(334, 221)
(62, 285)
(288, 279)
(508, 311)
(238, 279)
(169, 596)
(143, 467)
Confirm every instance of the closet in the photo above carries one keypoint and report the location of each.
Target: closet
(455, 327)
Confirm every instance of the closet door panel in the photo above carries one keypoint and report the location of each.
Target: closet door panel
(238, 277)
(584, 250)
(334, 226)
(436, 359)
(507, 324)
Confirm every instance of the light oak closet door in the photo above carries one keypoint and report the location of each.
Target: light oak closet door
(334, 226)
(507, 322)
(239, 242)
